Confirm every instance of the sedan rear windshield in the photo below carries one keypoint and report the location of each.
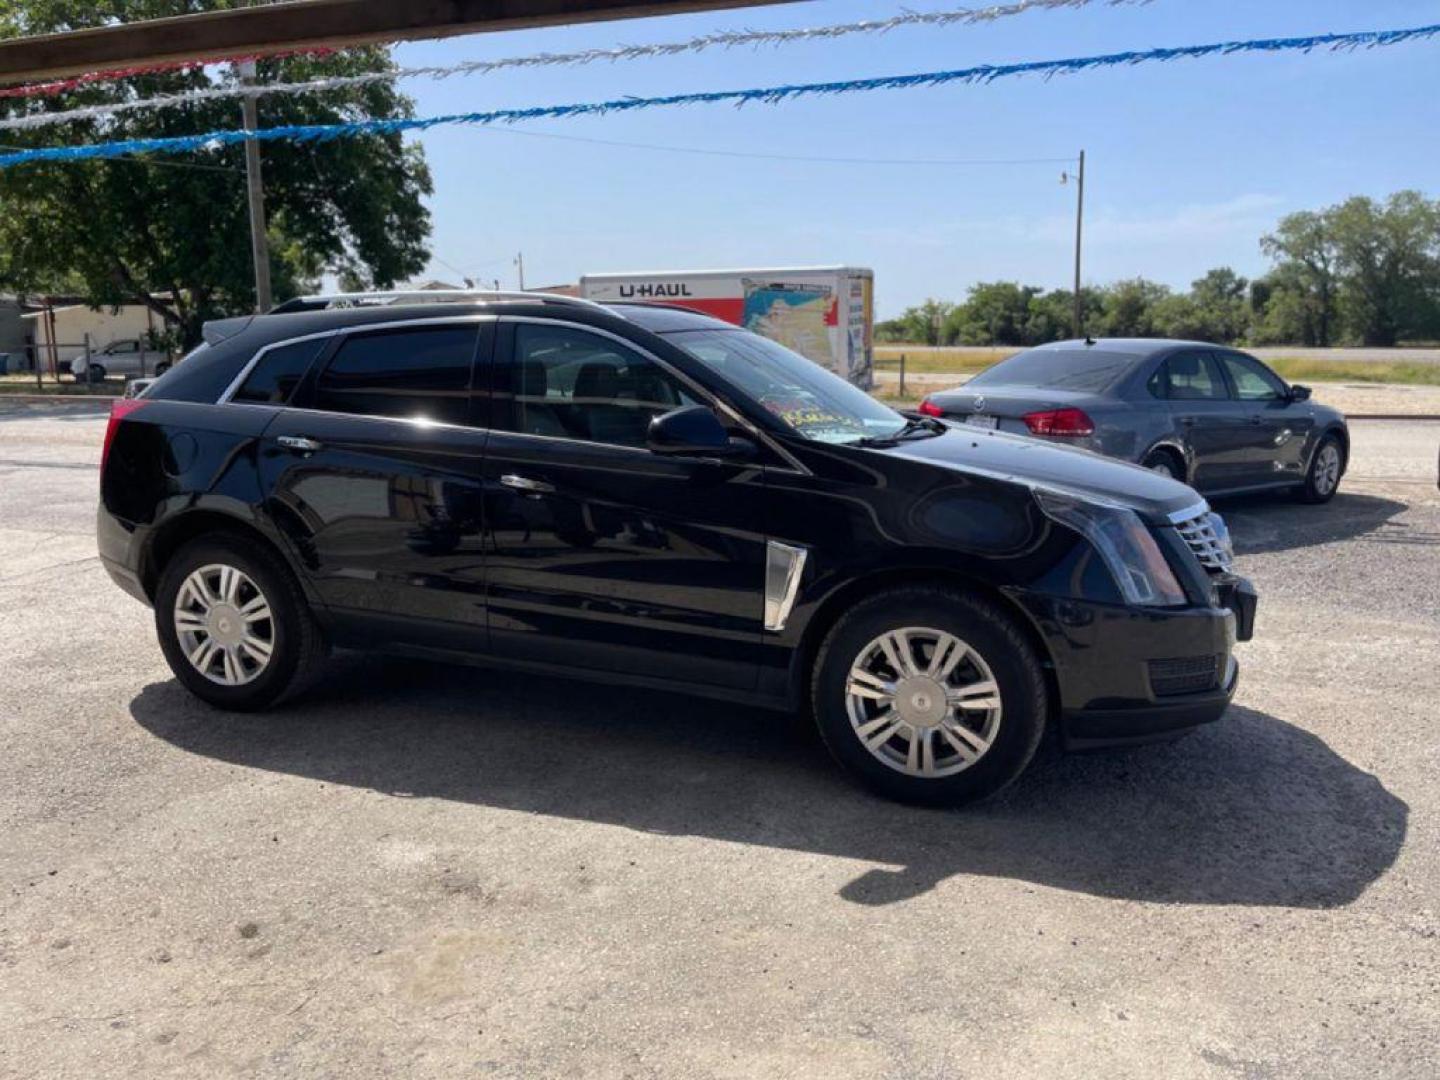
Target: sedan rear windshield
(1087, 370)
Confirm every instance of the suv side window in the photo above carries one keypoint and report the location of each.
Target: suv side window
(570, 384)
(1191, 376)
(276, 374)
(419, 374)
(1253, 380)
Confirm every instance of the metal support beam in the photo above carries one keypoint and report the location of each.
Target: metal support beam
(303, 24)
(255, 196)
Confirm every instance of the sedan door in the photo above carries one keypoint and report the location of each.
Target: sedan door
(1278, 430)
(374, 475)
(604, 556)
(1207, 422)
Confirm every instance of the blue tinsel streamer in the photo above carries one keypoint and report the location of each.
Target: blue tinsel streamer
(768, 95)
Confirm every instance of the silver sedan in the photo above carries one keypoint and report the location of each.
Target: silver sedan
(1214, 417)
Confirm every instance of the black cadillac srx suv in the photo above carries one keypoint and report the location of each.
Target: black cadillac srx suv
(646, 495)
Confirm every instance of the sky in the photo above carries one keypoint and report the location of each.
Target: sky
(1188, 163)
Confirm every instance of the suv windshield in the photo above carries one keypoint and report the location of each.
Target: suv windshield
(817, 403)
(1069, 369)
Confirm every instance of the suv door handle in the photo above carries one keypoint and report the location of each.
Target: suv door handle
(525, 484)
(1256, 420)
(1188, 421)
(299, 443)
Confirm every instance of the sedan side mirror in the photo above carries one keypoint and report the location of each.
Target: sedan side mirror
(696, 431)
(1299, 393)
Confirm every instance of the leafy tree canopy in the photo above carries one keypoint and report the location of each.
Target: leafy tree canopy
(123, 231)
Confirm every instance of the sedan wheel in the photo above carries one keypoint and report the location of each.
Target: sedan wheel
(923, 702)
(224, 624)
(1327, 470)
(1323, 479)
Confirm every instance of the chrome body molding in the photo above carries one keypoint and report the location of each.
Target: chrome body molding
(784, 563)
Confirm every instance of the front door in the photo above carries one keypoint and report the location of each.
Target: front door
(374, 474)
(1277, 430)
(604, 556)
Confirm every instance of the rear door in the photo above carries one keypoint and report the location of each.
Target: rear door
(605, 556)
(1277, 431)
(1204, 417)
(374, 473)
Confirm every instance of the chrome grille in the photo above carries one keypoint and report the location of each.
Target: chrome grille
(1205, 534)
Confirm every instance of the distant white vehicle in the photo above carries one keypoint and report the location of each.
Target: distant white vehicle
(128, 356)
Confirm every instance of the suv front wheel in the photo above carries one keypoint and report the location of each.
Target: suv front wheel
(234, 625)
(930, 696)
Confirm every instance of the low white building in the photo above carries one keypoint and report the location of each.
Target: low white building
(73, 326)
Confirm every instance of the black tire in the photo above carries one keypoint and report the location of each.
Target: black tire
(1317, 487)
(1165, 460)
(297, 643)
(992, 634)
(95, 373)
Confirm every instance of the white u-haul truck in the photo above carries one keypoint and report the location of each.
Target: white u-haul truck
(825, 313)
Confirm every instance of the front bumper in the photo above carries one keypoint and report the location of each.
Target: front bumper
(1131, 675)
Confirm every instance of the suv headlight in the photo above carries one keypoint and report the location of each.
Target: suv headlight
(1135, 561)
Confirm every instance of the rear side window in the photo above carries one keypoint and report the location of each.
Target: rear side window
(1191, 376)
(421, 374)
(278, 372)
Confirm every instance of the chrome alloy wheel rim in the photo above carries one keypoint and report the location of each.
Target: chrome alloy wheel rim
(1327, 469)
(923, 702)
(224, 625)
(1163, 468)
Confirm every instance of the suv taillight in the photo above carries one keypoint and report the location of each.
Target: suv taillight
(929, 408)
(119, 409)
(1072, 422)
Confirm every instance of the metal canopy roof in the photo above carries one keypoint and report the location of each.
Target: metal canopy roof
(302, 24)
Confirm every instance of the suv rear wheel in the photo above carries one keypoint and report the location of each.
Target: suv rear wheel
(234, 625)
(929, 695)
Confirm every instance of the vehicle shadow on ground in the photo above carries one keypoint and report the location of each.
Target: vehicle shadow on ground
(1247, 811)
(1266, 523)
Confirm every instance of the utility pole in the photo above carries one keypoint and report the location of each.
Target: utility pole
(1079, 223)
(255, 191)
(520, 265)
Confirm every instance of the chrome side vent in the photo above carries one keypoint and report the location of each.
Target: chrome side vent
(783, 566)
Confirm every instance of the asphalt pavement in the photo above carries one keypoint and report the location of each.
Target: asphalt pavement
(425, 871)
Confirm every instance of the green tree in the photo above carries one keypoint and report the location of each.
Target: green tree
(1388, 255)
(1129, 308)
(994, 313)
(921, 325)
(1303, 246)
(1217, 308)
(177, 225)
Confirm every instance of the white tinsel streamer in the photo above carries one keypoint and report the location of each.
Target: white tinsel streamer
(721, 39)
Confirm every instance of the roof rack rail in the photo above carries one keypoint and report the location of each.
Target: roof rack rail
(330, 301)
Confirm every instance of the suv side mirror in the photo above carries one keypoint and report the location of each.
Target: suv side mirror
(1299, 393)
(694, 430)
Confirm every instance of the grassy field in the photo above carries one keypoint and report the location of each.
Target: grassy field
(1292, 368)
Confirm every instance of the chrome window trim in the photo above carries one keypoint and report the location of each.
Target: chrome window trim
(701, 392)
(230, 391)
(784, 564)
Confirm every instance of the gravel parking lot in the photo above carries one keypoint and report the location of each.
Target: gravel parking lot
(427, 871)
